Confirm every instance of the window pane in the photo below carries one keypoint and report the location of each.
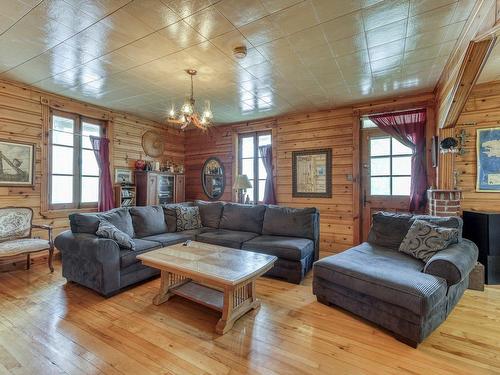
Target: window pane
(400, 149)
(62, 131)
(262, 188)
(264, 139)
(62, 189)
(247, 168)
(247, 147)
(401, 165)
(367, 123)
(262, 170)
(401, 185)
(89, 164)
(380, 146)
(89, 129)
(380, 186)
(62, 160)
(380, 167)
(90, 189)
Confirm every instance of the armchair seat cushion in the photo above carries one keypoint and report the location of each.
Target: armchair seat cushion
(23, 246)
(290, 248)
(224, 237)
(128, 257)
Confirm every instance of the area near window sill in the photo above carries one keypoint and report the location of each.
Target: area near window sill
(54, 214)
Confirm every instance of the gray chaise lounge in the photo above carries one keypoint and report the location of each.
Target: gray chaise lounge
(100, 264)
(394, 290)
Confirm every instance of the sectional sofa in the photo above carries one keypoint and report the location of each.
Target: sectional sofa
(291, 234)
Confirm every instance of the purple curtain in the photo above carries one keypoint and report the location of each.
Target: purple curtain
(266, 153)
(101, 152)
(408, 127)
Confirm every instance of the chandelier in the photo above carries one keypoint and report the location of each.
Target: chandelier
(188, 114)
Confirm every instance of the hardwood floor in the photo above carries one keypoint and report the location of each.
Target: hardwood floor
(50, 327)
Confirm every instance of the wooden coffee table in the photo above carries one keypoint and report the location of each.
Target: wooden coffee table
(218, 277)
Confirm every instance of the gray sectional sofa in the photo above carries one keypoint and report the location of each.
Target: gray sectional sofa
(394, 290)
(100, 264)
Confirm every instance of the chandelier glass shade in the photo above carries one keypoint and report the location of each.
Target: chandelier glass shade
(188, 114)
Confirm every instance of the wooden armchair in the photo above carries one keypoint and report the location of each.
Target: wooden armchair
(15, 235)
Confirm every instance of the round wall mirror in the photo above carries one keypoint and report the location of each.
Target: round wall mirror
(213, 178)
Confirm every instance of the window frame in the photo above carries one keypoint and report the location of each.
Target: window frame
(77, 147)
(391, 175)
(256, 157)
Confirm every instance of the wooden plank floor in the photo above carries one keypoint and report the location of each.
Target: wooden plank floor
(50, 327)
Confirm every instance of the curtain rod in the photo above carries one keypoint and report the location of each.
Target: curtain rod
(397, 111)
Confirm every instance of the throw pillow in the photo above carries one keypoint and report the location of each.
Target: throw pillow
(108, 230)
(425, 239)
(187, 218)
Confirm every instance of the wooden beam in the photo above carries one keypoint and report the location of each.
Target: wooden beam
(475, 57)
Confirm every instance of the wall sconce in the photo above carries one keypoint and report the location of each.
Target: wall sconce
(454, 145)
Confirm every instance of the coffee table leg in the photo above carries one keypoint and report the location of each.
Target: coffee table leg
(237, 301)
(168, 281)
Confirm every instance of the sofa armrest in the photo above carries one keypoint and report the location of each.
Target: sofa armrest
(454, 263)
(88, 246)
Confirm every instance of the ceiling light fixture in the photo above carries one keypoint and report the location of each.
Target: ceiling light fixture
(240, 52)
(188, 115)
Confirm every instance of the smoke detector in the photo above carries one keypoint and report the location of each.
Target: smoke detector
(240, 52)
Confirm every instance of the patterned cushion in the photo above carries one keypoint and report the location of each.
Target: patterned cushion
(15, 223)
(108, 230)
(23, 246)
(425, 239)
(187, 218)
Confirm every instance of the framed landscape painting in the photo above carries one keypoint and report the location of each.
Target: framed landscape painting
(312, 173)
(17, 163)
(488, 160)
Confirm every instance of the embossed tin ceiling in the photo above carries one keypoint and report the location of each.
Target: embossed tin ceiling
(302, 54)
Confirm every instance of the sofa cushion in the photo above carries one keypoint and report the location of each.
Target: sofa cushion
(389, 228)
(84, 223)
(108, 230)
(167, 239)
(128, 257)
(242, 217)
(224, 237)
(455, 222)
(188, 218)
(291, 248)
(292, 222)
(210, 213)
(425, 239)
(148, 220)
(120, 218)
(171, 216)
(389, 276)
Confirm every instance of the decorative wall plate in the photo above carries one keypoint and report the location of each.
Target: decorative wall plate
(153, 144)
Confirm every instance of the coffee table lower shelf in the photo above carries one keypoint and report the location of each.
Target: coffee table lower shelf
(232, 301)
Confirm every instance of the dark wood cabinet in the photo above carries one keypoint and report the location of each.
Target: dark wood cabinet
(483, 228)
(158, 188)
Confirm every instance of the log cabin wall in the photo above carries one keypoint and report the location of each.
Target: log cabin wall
(22, 119)
(482, 110)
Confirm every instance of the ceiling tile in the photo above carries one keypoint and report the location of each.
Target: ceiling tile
(185, 8)
(261, 31)
(209, 22)
(296, 18)
(343, 27)
(384, 13)
(330, 9)
(431, 20)
(386, 34)
(231, 9)
(348, 45)
(386, 50)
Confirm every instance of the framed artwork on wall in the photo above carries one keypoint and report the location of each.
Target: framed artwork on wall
(123, 176)
(488, 160)
(17, 163)
(312, 173)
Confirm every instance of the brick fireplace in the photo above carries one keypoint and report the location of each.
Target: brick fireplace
(444, 202)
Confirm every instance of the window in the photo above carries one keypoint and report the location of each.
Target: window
(73, 169)
(390, 167)
(250, 162)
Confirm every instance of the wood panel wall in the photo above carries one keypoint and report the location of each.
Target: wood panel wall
(21, 119)
(482, 110)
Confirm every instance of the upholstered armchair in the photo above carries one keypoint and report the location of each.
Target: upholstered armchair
(15, 235)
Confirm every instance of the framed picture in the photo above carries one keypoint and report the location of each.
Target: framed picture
(17, 163)
(123, 176)
(488, 160)
(312, 173)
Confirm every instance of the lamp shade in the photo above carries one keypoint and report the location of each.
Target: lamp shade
(242, 182)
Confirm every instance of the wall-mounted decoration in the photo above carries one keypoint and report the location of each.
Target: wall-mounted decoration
(153, 144)
(123, 176)
(488, 160)
(213, 178)
(17, 163)
(312, 173)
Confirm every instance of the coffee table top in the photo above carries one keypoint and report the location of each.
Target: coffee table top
(217, 263)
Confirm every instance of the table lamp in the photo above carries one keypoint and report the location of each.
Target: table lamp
(241, 184)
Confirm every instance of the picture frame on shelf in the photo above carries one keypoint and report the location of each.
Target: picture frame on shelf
(17, 163)
(123, 176)
(312, 173)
